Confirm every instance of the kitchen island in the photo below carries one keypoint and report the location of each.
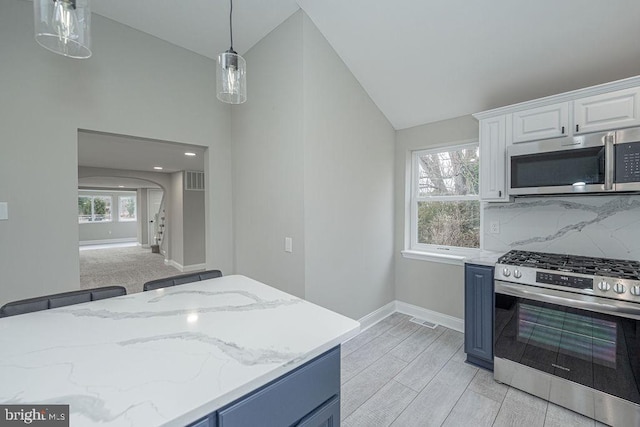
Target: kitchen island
(174, 356)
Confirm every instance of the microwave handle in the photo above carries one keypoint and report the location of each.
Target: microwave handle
(609, 162)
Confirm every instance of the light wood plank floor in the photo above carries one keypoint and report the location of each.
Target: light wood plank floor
(401, 374)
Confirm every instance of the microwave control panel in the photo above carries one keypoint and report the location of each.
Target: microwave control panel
(628, 162)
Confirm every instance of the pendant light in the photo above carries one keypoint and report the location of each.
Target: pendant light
(231, 72)
(63, 26)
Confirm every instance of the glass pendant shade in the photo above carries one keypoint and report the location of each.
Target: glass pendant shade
(63, 26)
(231, 78)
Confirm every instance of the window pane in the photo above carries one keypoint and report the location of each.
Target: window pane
(101, 208)
(127, 208)
(449, 223)
(84, 209)
(448, 173)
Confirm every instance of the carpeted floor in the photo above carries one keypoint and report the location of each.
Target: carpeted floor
(130, 267)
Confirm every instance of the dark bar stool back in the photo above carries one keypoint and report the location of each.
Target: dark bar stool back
(181, 279)
(60, 300)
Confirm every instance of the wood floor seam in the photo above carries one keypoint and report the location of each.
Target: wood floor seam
(465, 397)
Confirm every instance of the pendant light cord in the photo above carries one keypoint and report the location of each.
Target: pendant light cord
(231, 23)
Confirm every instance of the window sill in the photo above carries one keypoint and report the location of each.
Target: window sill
(454, 259)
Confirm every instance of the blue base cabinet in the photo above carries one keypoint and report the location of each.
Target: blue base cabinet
(309, 396)
(328, 415)
(478, 315)
(208, 421)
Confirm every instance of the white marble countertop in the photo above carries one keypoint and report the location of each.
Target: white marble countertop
(165, 357)
(483, 257)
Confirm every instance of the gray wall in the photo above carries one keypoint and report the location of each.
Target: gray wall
(186, 225)
(268, 162)
(348, 186)
(193, 227)
(134, 84)
(118, 230)
(143, 217)
(176, 224)
(313, 160)
(431, 285)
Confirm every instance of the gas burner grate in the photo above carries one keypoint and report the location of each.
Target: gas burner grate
(621, 269)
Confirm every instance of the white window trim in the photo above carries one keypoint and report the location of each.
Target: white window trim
(427, 252)
(92, 195)
(134, 196)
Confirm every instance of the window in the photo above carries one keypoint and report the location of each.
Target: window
(127, 210)
(445, 206)
(92, 208)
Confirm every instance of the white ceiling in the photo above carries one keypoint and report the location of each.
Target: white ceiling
(200, 25)
(101, 150)
(423, 61)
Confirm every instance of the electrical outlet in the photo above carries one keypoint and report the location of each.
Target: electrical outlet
(494, 227)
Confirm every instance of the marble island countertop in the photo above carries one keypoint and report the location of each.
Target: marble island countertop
(165, 357)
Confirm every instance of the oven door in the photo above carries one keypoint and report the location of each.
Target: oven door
(572, 336)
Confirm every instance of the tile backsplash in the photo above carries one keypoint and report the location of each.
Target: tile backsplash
(601, 226)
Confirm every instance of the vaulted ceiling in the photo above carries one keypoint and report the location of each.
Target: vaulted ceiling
(424, 61)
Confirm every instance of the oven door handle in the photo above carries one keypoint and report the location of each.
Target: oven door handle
(584, 302)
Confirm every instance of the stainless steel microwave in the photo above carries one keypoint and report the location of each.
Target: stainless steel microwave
(596, 163)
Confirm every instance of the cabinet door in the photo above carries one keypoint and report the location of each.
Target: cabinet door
(607, 111)
(493, 159)
(478, 315)
(550, 121)
(290, 398)
(209, 421)
(328, 415)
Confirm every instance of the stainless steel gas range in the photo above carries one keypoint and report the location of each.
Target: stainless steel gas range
(567, 329)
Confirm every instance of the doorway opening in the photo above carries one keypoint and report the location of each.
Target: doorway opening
(138, 219)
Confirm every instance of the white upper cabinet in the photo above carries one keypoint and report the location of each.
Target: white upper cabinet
(550, 121)
(493, 156)
(607, 111)
(604, 107)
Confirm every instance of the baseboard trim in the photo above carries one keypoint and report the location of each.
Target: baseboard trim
(374, 317)
(411, 310)
(107, 241)
(185, 268)
(194, 267)
(432, 316)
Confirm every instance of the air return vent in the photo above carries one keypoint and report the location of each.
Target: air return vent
(194, 180)
(423, 322)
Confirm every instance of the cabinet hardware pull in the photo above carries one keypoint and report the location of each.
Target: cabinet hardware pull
(562, 129)
(499, 193)
(577, 127)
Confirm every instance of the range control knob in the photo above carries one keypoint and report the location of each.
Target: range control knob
(517, 274)
(619, 288)
(506, 272)
(604, 286)
(635, 290)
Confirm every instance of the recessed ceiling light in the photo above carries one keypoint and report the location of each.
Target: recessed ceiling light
(120, 186)
(189, 154)
(158, 168)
